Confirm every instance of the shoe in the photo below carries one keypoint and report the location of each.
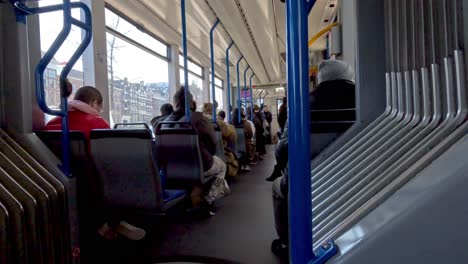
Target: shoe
(274, 175)
(129, 231)
(247, 168)
(107, 232)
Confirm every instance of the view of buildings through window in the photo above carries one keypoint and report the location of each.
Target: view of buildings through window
(137, 71)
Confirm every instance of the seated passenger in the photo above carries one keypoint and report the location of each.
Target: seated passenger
(229, 138)
(166, 110)
(84, 115)
(281, 155)
(329, 70)
(214, 168)
(83, 112)
(244, 161)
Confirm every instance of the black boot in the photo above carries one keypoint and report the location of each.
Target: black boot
(275, 174)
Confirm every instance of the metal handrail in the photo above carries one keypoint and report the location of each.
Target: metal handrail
(238, 89)
(23, 10)
(213, 97)
(184, 48)
(300, 195)
(228, 79)
(245, 86)
(251, 98)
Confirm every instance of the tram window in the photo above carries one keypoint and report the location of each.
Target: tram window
(138, 75)
(193, 67)
(124, 27)
(195, 87)
(219, 97)
(50, 24)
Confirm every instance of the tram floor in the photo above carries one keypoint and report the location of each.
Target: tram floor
(241, 231)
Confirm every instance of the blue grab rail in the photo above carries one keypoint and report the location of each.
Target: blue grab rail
(300, 193)
(228, 79)
(238, 90)
(245, 87)
(184, 47)
(251, 98)
(213, 97)
(22, 10)
(310, 5)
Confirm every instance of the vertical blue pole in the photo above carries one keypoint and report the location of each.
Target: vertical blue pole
(238, 91)
(63, 101)
(245, 87)
(184, 47)
(213, 97)
(228, 77)
(251, 98)
(300, 197)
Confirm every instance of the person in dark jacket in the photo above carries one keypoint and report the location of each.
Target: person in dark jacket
(329, 71)
(214, 169)
(268, 119)
(283, 114)
(281, 155)
(166, 110)
(259, 132)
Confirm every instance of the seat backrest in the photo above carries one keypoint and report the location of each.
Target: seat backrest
(128, 174)
(178, 154)
(241, 148)
(78, 148)
(220, 145)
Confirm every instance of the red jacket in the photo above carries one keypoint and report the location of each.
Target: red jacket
(81, 117)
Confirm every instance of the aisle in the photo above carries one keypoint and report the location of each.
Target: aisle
(242, 229)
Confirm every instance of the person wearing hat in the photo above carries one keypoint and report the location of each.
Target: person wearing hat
(335, 86)
(335, 90)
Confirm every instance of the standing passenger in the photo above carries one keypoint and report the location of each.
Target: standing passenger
(283, 114)
(268, 119)
(260, 130)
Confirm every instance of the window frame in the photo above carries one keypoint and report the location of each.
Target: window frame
(194, 62)
(116, 33)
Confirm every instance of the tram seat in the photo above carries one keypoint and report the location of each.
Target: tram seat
(241, 147)
(81, 165)
(219, 143)
(128, 173)
(178, 154)
(78, 148)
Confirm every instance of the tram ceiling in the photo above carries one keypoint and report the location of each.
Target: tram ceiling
(256, 26)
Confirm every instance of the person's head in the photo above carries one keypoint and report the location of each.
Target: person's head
(90, 96)
(222, 114)
(179, 100)
(207, 108)
(331, 70)
(166, 109)
(256, 108)
(285, 100)
(265, 108)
